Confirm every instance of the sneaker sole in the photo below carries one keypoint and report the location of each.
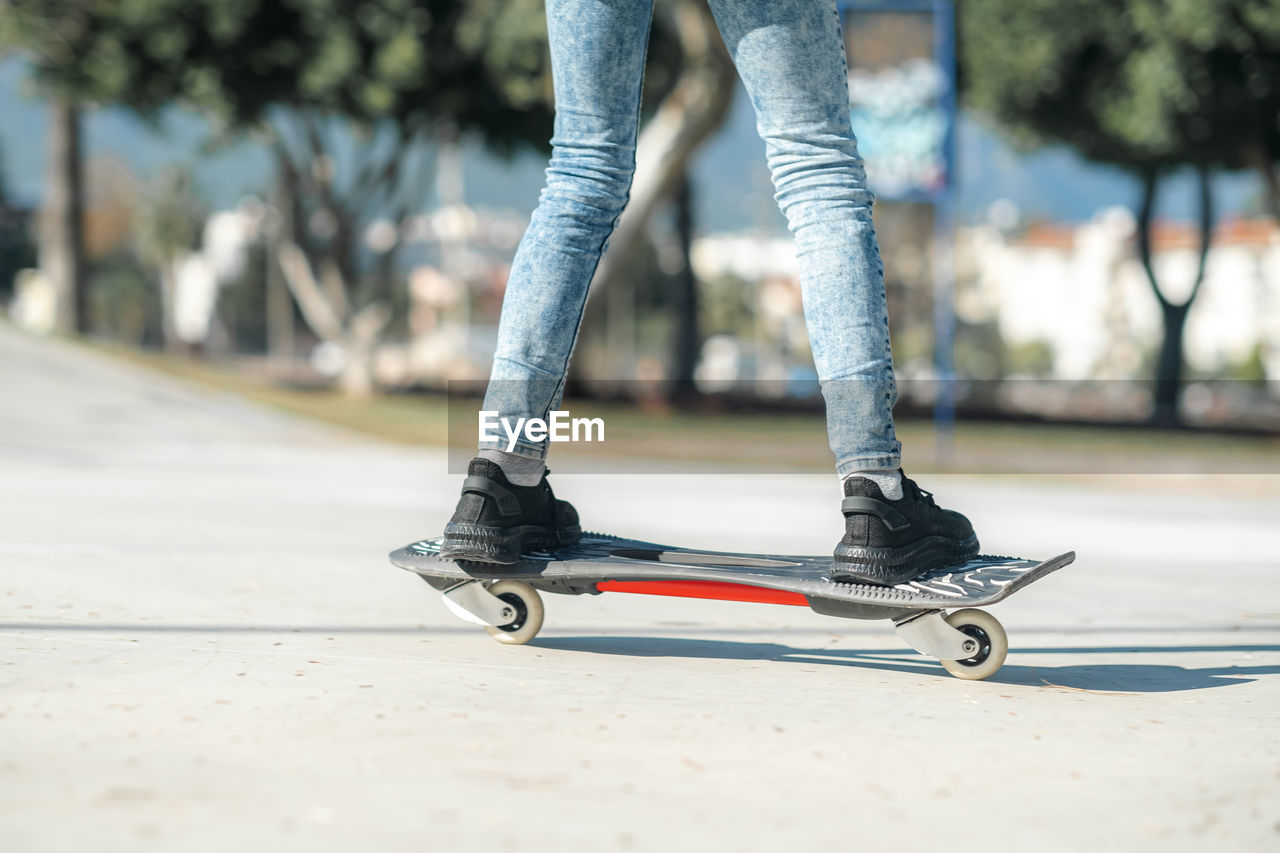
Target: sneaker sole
(889, 566)
(502, 545)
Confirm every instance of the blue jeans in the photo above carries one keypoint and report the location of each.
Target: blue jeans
(790, 55)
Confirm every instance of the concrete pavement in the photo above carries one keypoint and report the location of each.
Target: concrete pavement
(203, 647)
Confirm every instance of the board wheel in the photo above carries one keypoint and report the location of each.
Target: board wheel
(993, 644)
(528, 605)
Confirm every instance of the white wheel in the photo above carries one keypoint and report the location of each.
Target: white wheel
(993, 644)
(528, 605)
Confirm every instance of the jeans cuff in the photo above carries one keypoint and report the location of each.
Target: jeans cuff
(871, 463)
(528, 451)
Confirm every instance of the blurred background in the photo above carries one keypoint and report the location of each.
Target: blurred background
(316, 203)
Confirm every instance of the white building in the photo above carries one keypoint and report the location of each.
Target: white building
(1083, 291)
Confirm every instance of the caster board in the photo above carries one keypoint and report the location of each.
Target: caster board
(969, 643)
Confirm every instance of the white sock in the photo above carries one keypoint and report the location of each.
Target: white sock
(520, 470)
(887, 479)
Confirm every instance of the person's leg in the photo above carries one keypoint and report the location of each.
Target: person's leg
(790, 55)
(597, 61)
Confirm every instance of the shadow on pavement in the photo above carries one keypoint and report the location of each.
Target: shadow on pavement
(1100, 678)
(660, 630)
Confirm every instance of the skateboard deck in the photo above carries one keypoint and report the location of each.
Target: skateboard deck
(970, 643)
(601, 563)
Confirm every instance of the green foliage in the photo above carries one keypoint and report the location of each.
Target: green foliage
(1251, 368)
(1033, 358)
(1144, 83)
(124, 305)
(478, 65)
(726, 307)
(511, 35)
(171, 217)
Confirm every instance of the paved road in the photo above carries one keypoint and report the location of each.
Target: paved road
(202, 647)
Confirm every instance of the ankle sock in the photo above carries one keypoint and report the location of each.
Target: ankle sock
(889, 481)
(520, 470)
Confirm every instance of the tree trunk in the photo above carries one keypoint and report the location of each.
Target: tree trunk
(1263, 160)
(696, 107)
(280, 331)
(1271, 181)
(684, 303)
(1168, 381)
(361, 341)
(357, 334)
(324, 318)
(62, 226)
(324, 282)
(168, 299)
(1169, 365)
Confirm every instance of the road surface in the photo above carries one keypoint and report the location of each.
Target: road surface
(203, 648)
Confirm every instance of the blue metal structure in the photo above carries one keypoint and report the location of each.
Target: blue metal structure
(942, 195)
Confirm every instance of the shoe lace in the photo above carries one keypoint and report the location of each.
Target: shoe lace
(922, 495)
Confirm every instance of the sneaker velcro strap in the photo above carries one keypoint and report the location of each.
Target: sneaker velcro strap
(507, 503)
(892, 519)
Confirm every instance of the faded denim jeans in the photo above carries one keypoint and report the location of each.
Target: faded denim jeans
(790, 55)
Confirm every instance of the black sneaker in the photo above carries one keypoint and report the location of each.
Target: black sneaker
(496, 521)
(890, 542)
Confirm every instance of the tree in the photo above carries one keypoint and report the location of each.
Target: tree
(301, 73)
(347, 94)
(1148, 85)
(44, 32)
